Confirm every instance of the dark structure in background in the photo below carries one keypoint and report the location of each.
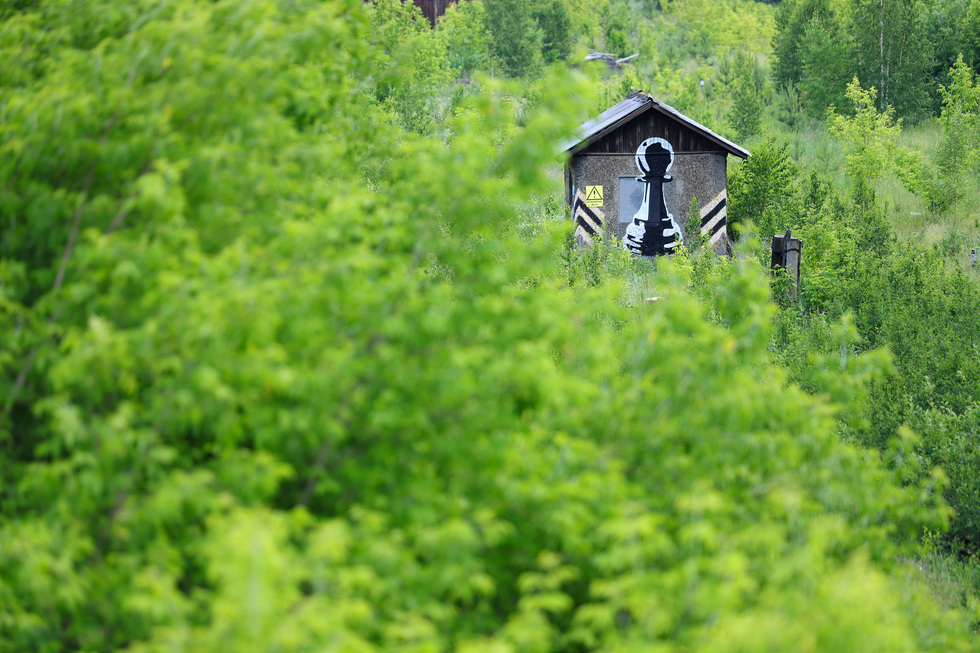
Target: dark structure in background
(432, 9)
(614, 62)
(786, 254)
(603, 154)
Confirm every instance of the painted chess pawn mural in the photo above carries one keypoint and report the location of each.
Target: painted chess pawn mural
(653, 230)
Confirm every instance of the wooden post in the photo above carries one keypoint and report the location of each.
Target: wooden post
(786, 255)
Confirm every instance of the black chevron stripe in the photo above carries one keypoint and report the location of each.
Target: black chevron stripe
(718, 227)
(580, 206)
(586, 225)
(715, 211)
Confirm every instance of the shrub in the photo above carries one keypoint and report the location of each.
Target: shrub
(275, 407)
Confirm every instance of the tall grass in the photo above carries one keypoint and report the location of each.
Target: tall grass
(956, 231)
(953, 582)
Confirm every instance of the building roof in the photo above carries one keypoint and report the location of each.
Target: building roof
(634, 105)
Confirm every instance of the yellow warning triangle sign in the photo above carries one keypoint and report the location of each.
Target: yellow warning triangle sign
(595, 193)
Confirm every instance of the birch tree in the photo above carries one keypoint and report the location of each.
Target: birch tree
(894, 53)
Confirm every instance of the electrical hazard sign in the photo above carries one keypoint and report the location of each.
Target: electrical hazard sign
(593, 195)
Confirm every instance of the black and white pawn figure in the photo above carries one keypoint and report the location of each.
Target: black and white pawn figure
(653, 230)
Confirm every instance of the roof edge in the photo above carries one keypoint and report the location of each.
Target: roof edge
(598, 127)
(732, 148)
(581, 138)
(638, 111)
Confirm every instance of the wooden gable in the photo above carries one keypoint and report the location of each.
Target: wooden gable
(651, 123)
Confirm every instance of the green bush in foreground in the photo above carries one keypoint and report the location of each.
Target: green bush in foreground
(256, 403)
(899, 295)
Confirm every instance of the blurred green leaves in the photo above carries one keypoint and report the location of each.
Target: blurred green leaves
(292, 392)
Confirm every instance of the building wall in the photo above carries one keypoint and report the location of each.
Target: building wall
(702, 175)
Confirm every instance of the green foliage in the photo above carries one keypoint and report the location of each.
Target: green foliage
(585, 26)
(683, 91)
(788, 106)
(903, 297)
(745, 114)
(761, 193)
(472, 37)
(286, 376)
(827, 55)
(614, 89)
(926, 180)
(971, 32)
(413, 64)
(616, 25)
(871, 135)
(741, 64)
(914, 300)
(951, 440)
(848, 245)
(893, 52)
(703, 28)
(820, 44)
(555, 25)
(592, 266)
(945, 23)
(467, 40)
(791, 22)
(691, 42)
(959, 147)
(952, 580)
(517, 39)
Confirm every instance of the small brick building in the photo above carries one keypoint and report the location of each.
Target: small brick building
(637, 165)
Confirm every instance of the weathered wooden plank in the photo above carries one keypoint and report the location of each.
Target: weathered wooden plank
(626, 138)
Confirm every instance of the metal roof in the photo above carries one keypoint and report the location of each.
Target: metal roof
(634, 105)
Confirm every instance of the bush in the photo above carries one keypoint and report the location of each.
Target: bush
(270, 406)
(906, 299)
(761, 192)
